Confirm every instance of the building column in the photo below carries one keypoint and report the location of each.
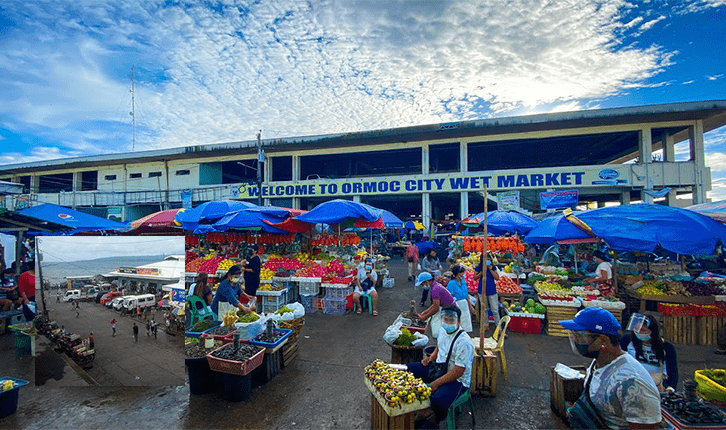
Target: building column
(698, 156)
(34, 184)
(645, 154)
(267, 169)
(464, 204)
(356, 198)
(426, 210)
(463, 157)
(625, 197)
(669, 156)
(296, 178)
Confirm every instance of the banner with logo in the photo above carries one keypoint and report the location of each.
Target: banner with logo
(178, 295)
(558, 199)
(508, 200)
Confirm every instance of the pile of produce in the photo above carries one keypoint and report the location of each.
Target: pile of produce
(397, 387)
(284, 310)
(194, 265)
(551, 270)
(189, 256)
(335, 267)
(221, 331)
(191, 240)
(226, 264)
(691, 411)
(536, 277)
(8, 384)
(197, 350)
(471, 283)
(273, 264)
(244, 353)
(337, 279)
(506, 285)
(702, 289)
(311, 271)
(530, 307)
(494, 244)
(324, 239)
(242, 317)
(266, 274)
(211, 264)
(274, 286)
(549, 286)
(263, 337)
(512, 268)
(201, 326)
(651, 288)
(350, 240)
(406, 338)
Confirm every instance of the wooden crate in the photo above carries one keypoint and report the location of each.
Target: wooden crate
(563, 391)
(618, 313)
(402, 355)
(381, 420)
(484, 374)
(708, 328)
(680, 329)
(289, 353)
(555, 314)
(511, 298)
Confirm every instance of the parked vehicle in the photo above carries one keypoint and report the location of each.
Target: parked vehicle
(113, 302)
(72, 295)
(110, 296)
(142, 301)
(98, 296)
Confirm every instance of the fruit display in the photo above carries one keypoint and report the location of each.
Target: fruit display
(651, 288)
(691, 411)
(284, 310)
(201, 326)
(549, 286)
(327, 279)
(244, 353)
(494, 244)
(230, 317)
(336, 267)
(273, 264)
(530, 307)
(242, 317)
(471, 283)
(406, 338)
(397, 387)
(226, 264)
(266, 274)
(702, 289)
(311, 271)
(605, 302)
(8, 384)
(193, 266)
(506, 285)
(210, 265)
(191, 240)
(272, 286)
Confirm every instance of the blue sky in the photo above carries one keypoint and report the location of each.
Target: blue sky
(217, 71)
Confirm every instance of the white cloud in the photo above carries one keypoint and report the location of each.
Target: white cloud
(649, 24)
(716, 161)
(718, 190)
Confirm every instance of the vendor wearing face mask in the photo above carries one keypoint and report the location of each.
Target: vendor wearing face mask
(365, 283)
(655, 354)
(229, 293)
(619, 392)
(440, 297)
(455, 353)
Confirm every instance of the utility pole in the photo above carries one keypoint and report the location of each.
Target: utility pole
(133, 112)
(38, 261)
(260, 162)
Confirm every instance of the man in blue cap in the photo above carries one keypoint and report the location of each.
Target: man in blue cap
(619, 392)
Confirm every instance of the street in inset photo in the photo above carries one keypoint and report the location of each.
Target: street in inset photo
(107, 312)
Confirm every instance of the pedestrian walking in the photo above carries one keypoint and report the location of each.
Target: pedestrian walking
(77, 312)
(148, 328)
(113, 327)
(153, 328)
(136, 333)
(57, 297)
(90, 339)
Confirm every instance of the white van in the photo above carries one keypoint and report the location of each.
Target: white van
(72, 295)
(120, 304)
(142, 301)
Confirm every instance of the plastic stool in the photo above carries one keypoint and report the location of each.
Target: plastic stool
(459, 403)
(364, 296)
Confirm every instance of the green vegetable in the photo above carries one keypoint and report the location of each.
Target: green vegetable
(283, 310)
(530, 302)
(248, 318)
(201, 326)
(540, 308)
(406, 338)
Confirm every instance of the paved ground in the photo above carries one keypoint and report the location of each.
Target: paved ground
(323, 388)
(120, 360)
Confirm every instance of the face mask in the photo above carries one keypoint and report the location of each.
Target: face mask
(235, 279)
(582, 349)
(643, 337)
(368, 267)
(449, 328)
(427, 287)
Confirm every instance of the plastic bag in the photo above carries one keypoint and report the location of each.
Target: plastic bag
(392, 332)
(421, 339)
(298, 311)
(473, 300)
(249, 330)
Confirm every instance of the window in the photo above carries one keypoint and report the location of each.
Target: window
(110, 177)
(89, 180)
(55, 183)
(154, 174)
(184, 172)
(135, 175)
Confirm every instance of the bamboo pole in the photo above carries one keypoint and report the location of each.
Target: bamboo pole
(482, 262)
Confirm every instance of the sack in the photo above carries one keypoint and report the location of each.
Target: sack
(421, 339)
(410, 259)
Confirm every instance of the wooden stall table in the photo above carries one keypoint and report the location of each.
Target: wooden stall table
(664, 298)
(385, 417)
(405, 354)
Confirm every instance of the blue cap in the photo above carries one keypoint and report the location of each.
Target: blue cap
(596, 320)
(423, 277)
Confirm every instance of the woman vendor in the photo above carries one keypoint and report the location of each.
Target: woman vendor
(201, 289)
(457, 288)
(229, 294)
(655, 354)
(603, 273)
(440, 296)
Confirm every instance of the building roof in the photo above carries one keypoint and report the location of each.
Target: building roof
(712, 113)
(171, 269)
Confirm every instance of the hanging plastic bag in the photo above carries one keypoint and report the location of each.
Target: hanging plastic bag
(392, 332)
(249, 330)
(421, 339)
(298, 311)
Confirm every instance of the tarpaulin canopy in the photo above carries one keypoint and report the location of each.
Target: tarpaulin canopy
(500, 222)
(338, 210)
(209, 212)
(74, 219)
(157, 220)
(254, 218)
(715, 210)
(640, 227)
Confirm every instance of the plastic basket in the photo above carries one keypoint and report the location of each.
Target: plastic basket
(240, 368)
(217, 336)
(307, 288)
(335, 292)
(272, 303)
(22, 343)
(708, 388)
(287, 332)
(308, 303)
(199, 333)
(9, 398)
(334, 306)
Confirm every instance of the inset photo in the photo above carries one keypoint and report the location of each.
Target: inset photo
(108, 311)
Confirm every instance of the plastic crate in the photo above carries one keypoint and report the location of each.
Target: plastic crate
(525, 325)
(272, 303)
(9, 398)
(308, 303)
(240, 368)
(337, 292)
(307, 288)
(13, 317)
(286, 333)
(334, 306)
(196, 334)
(22, 343)
(388, 282)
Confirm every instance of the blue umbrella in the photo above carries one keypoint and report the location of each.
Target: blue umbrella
(337, 211)
(253, 218)
(209, 212)
(390, 220)
(77, 220)
(500, 222)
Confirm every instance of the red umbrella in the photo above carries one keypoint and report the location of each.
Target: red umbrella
(163, 219)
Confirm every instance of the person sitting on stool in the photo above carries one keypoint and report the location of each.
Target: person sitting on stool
(457, 377)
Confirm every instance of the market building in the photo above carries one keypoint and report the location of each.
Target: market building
(152, 278)
(433, 171)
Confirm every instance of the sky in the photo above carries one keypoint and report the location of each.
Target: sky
(219, 71)
(60, 249)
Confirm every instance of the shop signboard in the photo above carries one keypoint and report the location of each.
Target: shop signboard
(500, 180)
(186, 198)
(138, 271)
(558, 199)
(178, 295)
(508, 200)
(115, 214)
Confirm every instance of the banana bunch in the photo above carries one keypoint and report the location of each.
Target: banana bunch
(551, 286)
(396, 386)
(230, 317)
(225, 264)
(266, 274)
(8, 385)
